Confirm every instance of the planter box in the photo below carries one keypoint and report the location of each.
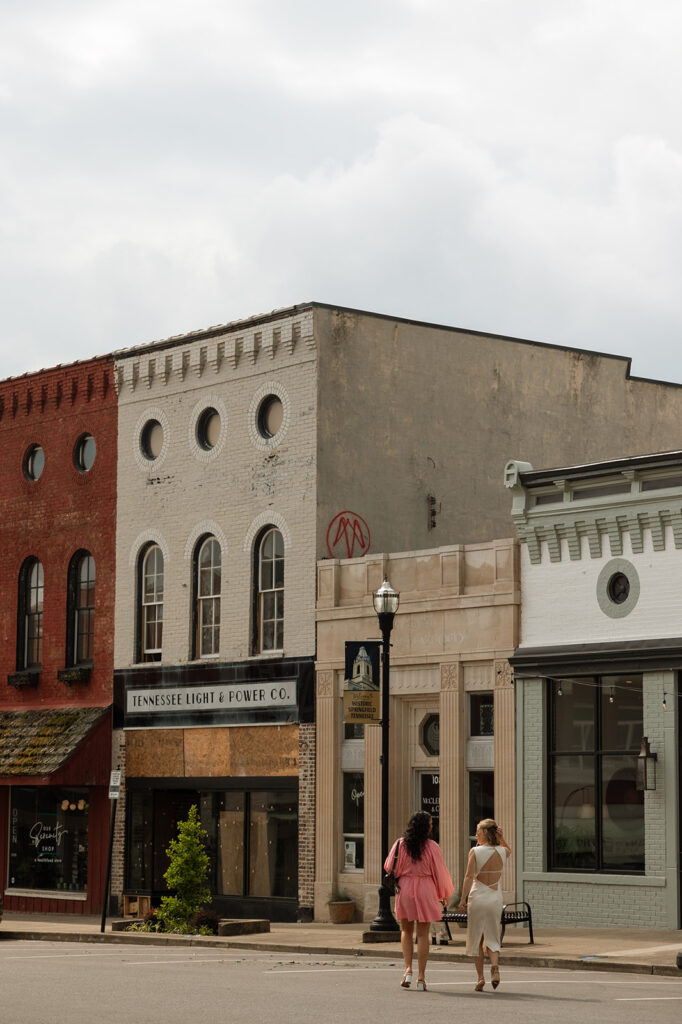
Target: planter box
(341, 911)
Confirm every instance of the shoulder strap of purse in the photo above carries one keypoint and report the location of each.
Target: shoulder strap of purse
(395, 857)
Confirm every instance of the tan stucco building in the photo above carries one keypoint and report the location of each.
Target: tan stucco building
(452, 708)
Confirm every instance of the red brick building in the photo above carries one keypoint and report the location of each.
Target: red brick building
(58, 437)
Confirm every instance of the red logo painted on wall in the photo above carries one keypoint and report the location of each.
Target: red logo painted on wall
(347, 536)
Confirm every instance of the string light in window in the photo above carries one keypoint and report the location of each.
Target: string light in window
(560, 692)
(612, 695)
(665, 702)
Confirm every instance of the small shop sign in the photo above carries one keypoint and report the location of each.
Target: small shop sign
(361, 695)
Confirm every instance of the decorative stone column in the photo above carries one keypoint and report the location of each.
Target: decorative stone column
(372, 821)
(453, 829)
(327, 793)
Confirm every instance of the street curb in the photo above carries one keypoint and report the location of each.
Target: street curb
(372, 951)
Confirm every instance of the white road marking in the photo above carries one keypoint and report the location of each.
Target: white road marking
(642, 950)
(197, 960)
(329, 970)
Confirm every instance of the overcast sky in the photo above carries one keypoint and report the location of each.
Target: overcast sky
(512, 166)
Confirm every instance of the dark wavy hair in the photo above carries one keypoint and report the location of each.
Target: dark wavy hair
(417, 834)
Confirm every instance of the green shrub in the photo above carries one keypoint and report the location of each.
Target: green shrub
(186, 877)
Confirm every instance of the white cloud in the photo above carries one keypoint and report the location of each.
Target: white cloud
(506, 167)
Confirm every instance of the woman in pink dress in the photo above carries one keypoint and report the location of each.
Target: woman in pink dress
(425, 885)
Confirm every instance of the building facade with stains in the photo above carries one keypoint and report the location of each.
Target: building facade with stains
(57, 566)
(452, 745)
(249, 451)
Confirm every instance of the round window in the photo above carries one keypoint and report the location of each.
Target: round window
(151, 440)
(84, 453)
(208, 429)
(270, 416)
(618, 588)
(34, 462)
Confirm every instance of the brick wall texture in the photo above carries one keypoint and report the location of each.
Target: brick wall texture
(52, 517)
(306, 816)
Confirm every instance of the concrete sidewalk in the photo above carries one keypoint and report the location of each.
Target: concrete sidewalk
(608, 949)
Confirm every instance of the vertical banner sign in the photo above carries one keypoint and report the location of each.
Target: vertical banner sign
(361, 682)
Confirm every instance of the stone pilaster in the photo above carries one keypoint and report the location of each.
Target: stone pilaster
(505, 797)
(327, 806)
(453, 839)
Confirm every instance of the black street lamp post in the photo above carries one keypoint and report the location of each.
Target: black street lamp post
(386, 602)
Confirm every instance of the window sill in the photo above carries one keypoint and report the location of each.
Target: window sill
(75, 674)
(272, 655)
(47, 894)
(26, 677)
(593, 878)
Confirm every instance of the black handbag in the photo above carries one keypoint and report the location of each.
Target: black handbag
(390, 881)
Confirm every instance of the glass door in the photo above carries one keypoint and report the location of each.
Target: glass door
(428, 797)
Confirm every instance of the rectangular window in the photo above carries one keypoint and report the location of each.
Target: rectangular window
(353, 821)
(273, 844)
(481, 714)
(48, 839)
(481, 799)
(596, 813)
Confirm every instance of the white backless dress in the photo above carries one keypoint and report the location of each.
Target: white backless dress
(484, 906)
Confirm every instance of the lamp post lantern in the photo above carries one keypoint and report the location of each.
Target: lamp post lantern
(386, 602)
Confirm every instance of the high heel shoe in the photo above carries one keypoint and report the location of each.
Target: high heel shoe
(407, 979)
(421, 985)
(480, 984)
(495, 976)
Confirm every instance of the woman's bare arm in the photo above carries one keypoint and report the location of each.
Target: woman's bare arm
(469, 879)
(502, 841)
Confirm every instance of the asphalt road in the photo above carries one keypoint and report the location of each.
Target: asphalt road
(75, 983)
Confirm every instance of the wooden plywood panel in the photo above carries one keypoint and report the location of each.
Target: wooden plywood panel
(155, 753)
(264, 750)
(207, 753)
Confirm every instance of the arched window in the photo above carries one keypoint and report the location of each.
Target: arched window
(30, 639)
(270, 590)
(81, 611)
(208, 573)
(151, 604)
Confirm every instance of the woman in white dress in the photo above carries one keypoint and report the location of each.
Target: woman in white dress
(482, 898)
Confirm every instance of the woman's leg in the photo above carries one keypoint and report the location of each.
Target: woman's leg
(423, 928)
(407, 942)
(478, 962)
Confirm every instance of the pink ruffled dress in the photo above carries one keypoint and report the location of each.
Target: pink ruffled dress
(423, 883)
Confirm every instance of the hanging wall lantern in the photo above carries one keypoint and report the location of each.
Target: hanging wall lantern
(646, 767)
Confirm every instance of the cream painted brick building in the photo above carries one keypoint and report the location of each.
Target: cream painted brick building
(597, 669)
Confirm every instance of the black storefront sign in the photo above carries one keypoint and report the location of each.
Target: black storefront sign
(233, 693)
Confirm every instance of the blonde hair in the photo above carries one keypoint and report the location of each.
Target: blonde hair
(489, 828)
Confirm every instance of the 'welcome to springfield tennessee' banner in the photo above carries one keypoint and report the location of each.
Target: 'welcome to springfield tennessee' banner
(361, 682)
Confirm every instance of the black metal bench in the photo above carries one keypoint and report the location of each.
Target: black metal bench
(509, 916)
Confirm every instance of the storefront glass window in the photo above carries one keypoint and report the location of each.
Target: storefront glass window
(263, 822)
(139, 846)
(273, 844)
(596, 813)
(353, 820)
(49, 839)
(230, 844)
